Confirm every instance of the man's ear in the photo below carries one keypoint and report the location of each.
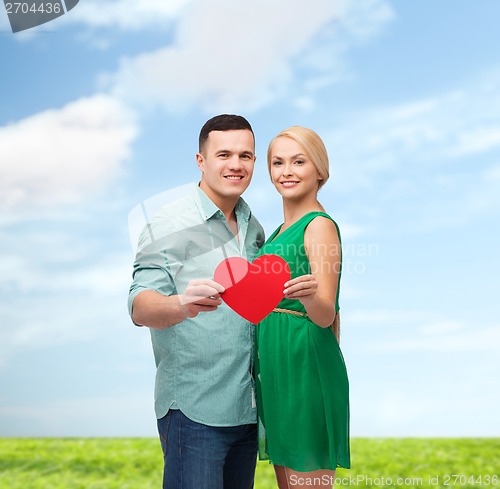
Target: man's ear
(200, 160)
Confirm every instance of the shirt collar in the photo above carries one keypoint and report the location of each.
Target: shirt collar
(208, 209)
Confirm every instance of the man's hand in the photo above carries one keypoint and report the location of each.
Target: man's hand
(158, 311)
(201, 295)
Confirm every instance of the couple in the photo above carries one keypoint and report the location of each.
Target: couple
(215, 370)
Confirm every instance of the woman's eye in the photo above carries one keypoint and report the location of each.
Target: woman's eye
(299, 162)
(276, 163)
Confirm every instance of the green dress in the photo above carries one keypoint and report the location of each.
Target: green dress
(302, 389)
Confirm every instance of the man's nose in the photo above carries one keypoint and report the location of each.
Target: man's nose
(235, 163)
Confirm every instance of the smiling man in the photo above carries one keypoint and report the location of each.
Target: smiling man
(204, 393)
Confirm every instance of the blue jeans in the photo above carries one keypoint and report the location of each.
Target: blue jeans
(197, 456)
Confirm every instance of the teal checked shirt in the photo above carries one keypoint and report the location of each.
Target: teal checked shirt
(203, 363)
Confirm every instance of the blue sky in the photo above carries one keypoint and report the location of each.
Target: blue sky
(101, 109)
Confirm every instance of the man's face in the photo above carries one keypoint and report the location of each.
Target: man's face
(226, 162)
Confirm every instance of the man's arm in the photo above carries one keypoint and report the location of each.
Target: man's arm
(158, 311)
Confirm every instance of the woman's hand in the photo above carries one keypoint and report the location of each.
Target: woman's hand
(302, 288)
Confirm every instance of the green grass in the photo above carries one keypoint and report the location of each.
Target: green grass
(122, 463)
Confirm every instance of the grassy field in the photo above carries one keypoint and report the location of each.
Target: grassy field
(121, 463)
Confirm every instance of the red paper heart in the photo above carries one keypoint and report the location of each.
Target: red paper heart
(253, 290)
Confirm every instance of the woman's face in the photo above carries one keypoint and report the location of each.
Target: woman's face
(292, 172)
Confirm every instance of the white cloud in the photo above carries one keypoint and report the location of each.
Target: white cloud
(395, 410)
(418, 330)
(62, 285)
(59, 155)
(106, 276)
(46, 306)
(77, 417)
(427, 133)
(233, 56)
(414, 376)
(486, 339)
(492, 173)
(430, 161)
(126, 14)
(391, 317)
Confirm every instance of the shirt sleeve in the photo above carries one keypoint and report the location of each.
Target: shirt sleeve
(154, 266)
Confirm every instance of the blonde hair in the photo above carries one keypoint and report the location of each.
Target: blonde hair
(314, 149)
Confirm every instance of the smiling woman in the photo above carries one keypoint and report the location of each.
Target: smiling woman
(299, 362)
